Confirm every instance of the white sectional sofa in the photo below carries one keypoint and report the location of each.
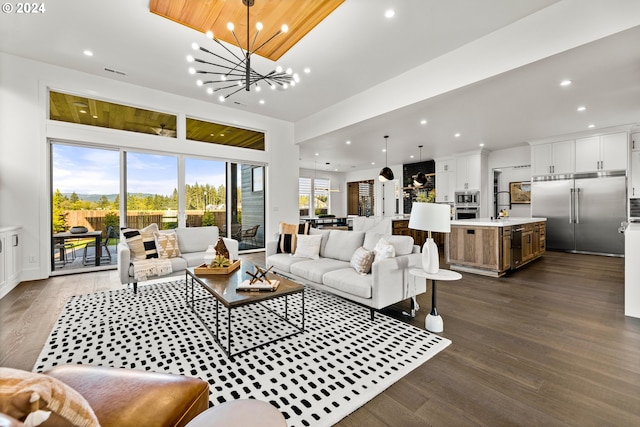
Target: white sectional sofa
(192, 244)
(388, 282)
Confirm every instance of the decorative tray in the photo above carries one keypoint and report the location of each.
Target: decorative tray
(204, 270)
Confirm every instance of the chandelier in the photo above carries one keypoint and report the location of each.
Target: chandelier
(230, 75)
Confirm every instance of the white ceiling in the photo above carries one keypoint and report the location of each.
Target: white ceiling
(354, 50)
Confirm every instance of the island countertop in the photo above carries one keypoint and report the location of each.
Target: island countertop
(503, 222)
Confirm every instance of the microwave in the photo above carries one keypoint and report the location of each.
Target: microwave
(467, 198)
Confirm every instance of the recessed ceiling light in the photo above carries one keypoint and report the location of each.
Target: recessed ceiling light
(261, 101)
(411, 156)
(457, 135)
(317, 154)
(423, 122)
(384, 150)
(591, 126)
(95, 117)
(566, 82)
(482, 144)
(581, 108)
(307, 70)
(87, 52)
(373, 163)
(347, 142)
(389, 13)
(83, 111)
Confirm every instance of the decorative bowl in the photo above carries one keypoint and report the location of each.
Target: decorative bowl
(78, 229)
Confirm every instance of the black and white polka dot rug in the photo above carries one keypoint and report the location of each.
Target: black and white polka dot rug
(315, 378)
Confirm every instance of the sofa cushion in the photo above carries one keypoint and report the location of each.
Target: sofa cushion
(308, 246)
(342, 244)
(177, 264)
(288, 236)
(196, 239)
(283, 262)
(313, 270)
(403, 245)
(26, 394)
(384, 250)
(325, 237)
(350, 281)
(142, 243)
(167, 244)
(362, 259)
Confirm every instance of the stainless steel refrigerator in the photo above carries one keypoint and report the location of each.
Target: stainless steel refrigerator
(583, 211)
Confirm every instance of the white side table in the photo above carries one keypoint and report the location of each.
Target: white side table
(433, 322)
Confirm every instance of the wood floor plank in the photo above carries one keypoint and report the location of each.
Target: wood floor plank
(545, 345)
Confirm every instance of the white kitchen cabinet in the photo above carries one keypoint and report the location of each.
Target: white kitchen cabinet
(445, 180)
(10, 258)
(468, 172)
(634, 191)
(635, 142)
(553, 158)
(602, 153)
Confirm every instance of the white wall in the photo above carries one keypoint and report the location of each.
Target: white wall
(25, 132)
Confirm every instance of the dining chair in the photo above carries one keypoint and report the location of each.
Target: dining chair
(87, 258)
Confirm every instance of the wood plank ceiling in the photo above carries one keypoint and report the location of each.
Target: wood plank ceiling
(213, 15)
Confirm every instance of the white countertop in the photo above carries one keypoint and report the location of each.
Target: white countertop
(503, 222)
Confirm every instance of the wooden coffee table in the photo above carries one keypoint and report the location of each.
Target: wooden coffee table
(223, 290)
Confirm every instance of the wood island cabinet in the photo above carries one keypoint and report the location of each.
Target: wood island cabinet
(485, 246)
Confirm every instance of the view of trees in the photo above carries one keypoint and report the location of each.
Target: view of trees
(198, 197)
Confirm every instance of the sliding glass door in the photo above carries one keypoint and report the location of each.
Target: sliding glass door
(85, 186)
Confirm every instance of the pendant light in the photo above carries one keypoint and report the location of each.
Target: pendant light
(386, 174)
(420, 179)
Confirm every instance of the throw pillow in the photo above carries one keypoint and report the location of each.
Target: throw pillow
(308, 246)
(288, 236)
(384, 250)
(37, 398)
(362, 259)
(141, 242)
(167, 245)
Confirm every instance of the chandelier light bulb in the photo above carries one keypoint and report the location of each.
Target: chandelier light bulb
(192, 70)
(278, 69)
(209, 34)
(230, 26)
(210, 90)
(259, 26)
(289, 71)
(258, 88)
(189, 58)
(221, 98)
(199, 82)
(223, 78)
(293, 83)
(285, 86)
(272, 86)
(195, 46)
(296, 78)
(284, 28)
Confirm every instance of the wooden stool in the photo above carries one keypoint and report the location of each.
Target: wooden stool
(242, 412)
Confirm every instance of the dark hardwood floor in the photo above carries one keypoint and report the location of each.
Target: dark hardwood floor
(547, 345)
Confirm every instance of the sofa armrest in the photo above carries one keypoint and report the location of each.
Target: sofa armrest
(124, 259)
(271, 247)
(391, 279)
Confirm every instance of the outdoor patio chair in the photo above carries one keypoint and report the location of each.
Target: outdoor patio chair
(250, 234)
(88, 258)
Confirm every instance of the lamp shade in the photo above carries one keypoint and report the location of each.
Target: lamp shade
(386, 174)
(430, 217)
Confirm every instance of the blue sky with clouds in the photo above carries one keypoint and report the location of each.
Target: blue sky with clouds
(97, 171)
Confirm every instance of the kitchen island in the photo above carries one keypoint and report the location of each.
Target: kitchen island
(493, 247)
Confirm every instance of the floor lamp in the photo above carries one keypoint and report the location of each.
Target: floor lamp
(430, 217)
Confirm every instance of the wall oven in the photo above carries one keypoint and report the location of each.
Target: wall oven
(467, 212)
(467, 198)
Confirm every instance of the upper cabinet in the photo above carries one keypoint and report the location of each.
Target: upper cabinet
(553, 158)
(445, 180)
(602, 153)
(468, 172)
